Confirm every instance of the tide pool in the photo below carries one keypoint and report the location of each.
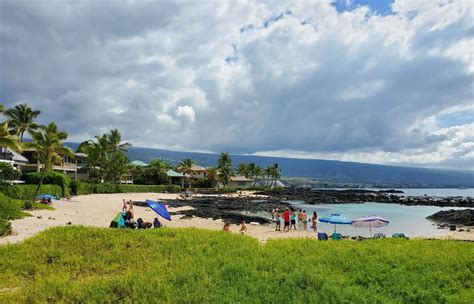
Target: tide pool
(410, 220)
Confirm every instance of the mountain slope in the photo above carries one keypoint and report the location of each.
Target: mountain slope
(339, 171)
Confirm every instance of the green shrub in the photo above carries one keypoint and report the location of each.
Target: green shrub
(107, 188)
(81, 188)
(26, 192)
(5, 227)
(10, 209)
(149, 188)
(51, 178)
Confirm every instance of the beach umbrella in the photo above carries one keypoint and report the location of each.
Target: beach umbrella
(159, 209)
(46, 196)
(370, 222)
(336, 219)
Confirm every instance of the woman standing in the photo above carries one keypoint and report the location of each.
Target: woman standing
(313, 221)
(293, 219)
(304, 220)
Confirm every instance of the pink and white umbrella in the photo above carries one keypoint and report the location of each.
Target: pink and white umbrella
(370, 221)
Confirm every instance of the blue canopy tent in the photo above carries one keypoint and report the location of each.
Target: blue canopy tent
(159, 209)
(336, 219)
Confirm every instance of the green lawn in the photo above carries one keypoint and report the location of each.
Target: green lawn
(77, 264)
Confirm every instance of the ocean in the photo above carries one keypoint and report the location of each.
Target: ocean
(410, 220)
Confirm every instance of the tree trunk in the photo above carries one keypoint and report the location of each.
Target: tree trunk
(39, 184)
(21, 136)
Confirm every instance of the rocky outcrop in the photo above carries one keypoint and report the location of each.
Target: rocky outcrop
(458, 217)
(311, 196)
(233, 210)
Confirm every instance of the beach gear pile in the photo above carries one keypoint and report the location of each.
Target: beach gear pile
(125, 219)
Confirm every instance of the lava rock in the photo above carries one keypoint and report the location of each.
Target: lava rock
(459, 217)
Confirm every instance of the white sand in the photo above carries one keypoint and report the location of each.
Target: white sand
(98, 210)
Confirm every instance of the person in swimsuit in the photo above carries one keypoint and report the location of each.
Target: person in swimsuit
(124, 206)
(293, 220)
(304, 220)
(227, 226)
(313, 221)
(243, 227)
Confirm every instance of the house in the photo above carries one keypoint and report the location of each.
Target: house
(177, 178)
(239, 182)
(75, 166)
(13, 158)
(199, 172)
(138, 163)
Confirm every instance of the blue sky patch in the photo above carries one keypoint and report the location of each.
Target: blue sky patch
(380, 7)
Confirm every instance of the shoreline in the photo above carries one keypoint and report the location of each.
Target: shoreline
(98, 210)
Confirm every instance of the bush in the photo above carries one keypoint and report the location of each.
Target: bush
(51, 178)
(8, 173)
(26, 192)
(80, 188)
(5, 227)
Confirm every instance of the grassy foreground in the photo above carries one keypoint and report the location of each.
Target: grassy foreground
(77, 264)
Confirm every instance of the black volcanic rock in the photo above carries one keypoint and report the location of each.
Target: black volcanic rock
(460, 217)
(317, 196)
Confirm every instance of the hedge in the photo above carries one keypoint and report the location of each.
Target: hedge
(10, 209)
(81, 188)
(51, 178)
(28, 191)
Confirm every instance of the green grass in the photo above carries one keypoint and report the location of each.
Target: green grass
(11, 209)
(82, 265)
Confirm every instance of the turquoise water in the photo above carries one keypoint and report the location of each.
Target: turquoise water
(441, 192)
(410, 220)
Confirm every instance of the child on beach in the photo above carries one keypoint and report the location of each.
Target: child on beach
(243, 227)
(227, 226)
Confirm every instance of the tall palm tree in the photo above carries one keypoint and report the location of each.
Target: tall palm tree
(21, 118)
(268, 171)
(224, 165)
(243, 169)
(7, 139)
(48, 143)
(256, 172)
(1, 108)
(115, 144)
(186, 167)
(159, 167)
(276, 173)
(212, 175)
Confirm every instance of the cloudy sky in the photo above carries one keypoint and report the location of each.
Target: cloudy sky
(373, 81)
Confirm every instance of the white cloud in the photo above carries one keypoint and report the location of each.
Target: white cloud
(249, 76)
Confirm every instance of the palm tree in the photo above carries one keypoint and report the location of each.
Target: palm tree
(7, 139)
(224, 165)
(1, 108)
(276, 173)
(48, 143)
(257, 172)
(186, 167)
(243, 169)
(159, 166)
(114, 139)
(212, 175)
(268, 171)
(21, 118)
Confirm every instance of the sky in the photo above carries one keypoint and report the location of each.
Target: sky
(388, 82)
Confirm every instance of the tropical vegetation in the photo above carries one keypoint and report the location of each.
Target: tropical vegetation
(87, 265)
(21, 118)
(224, 167)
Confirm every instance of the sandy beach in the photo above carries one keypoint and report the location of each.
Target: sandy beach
(98, 210)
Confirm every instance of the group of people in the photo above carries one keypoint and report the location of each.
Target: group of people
(242, 228)
(129, 217)
(290, 217)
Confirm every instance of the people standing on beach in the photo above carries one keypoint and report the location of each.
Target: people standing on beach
(277, 220)
(313, 221)
(300, 217)
(286, 220)
(304, 220)
(273, 214)
(243, 227)
(124, 206)
(293, 219)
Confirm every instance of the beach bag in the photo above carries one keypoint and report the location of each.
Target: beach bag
(322, 236)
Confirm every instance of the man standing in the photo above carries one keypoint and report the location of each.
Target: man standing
(277, 219)
(286, 219)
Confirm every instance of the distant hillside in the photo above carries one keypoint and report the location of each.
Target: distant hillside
(338, 171)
